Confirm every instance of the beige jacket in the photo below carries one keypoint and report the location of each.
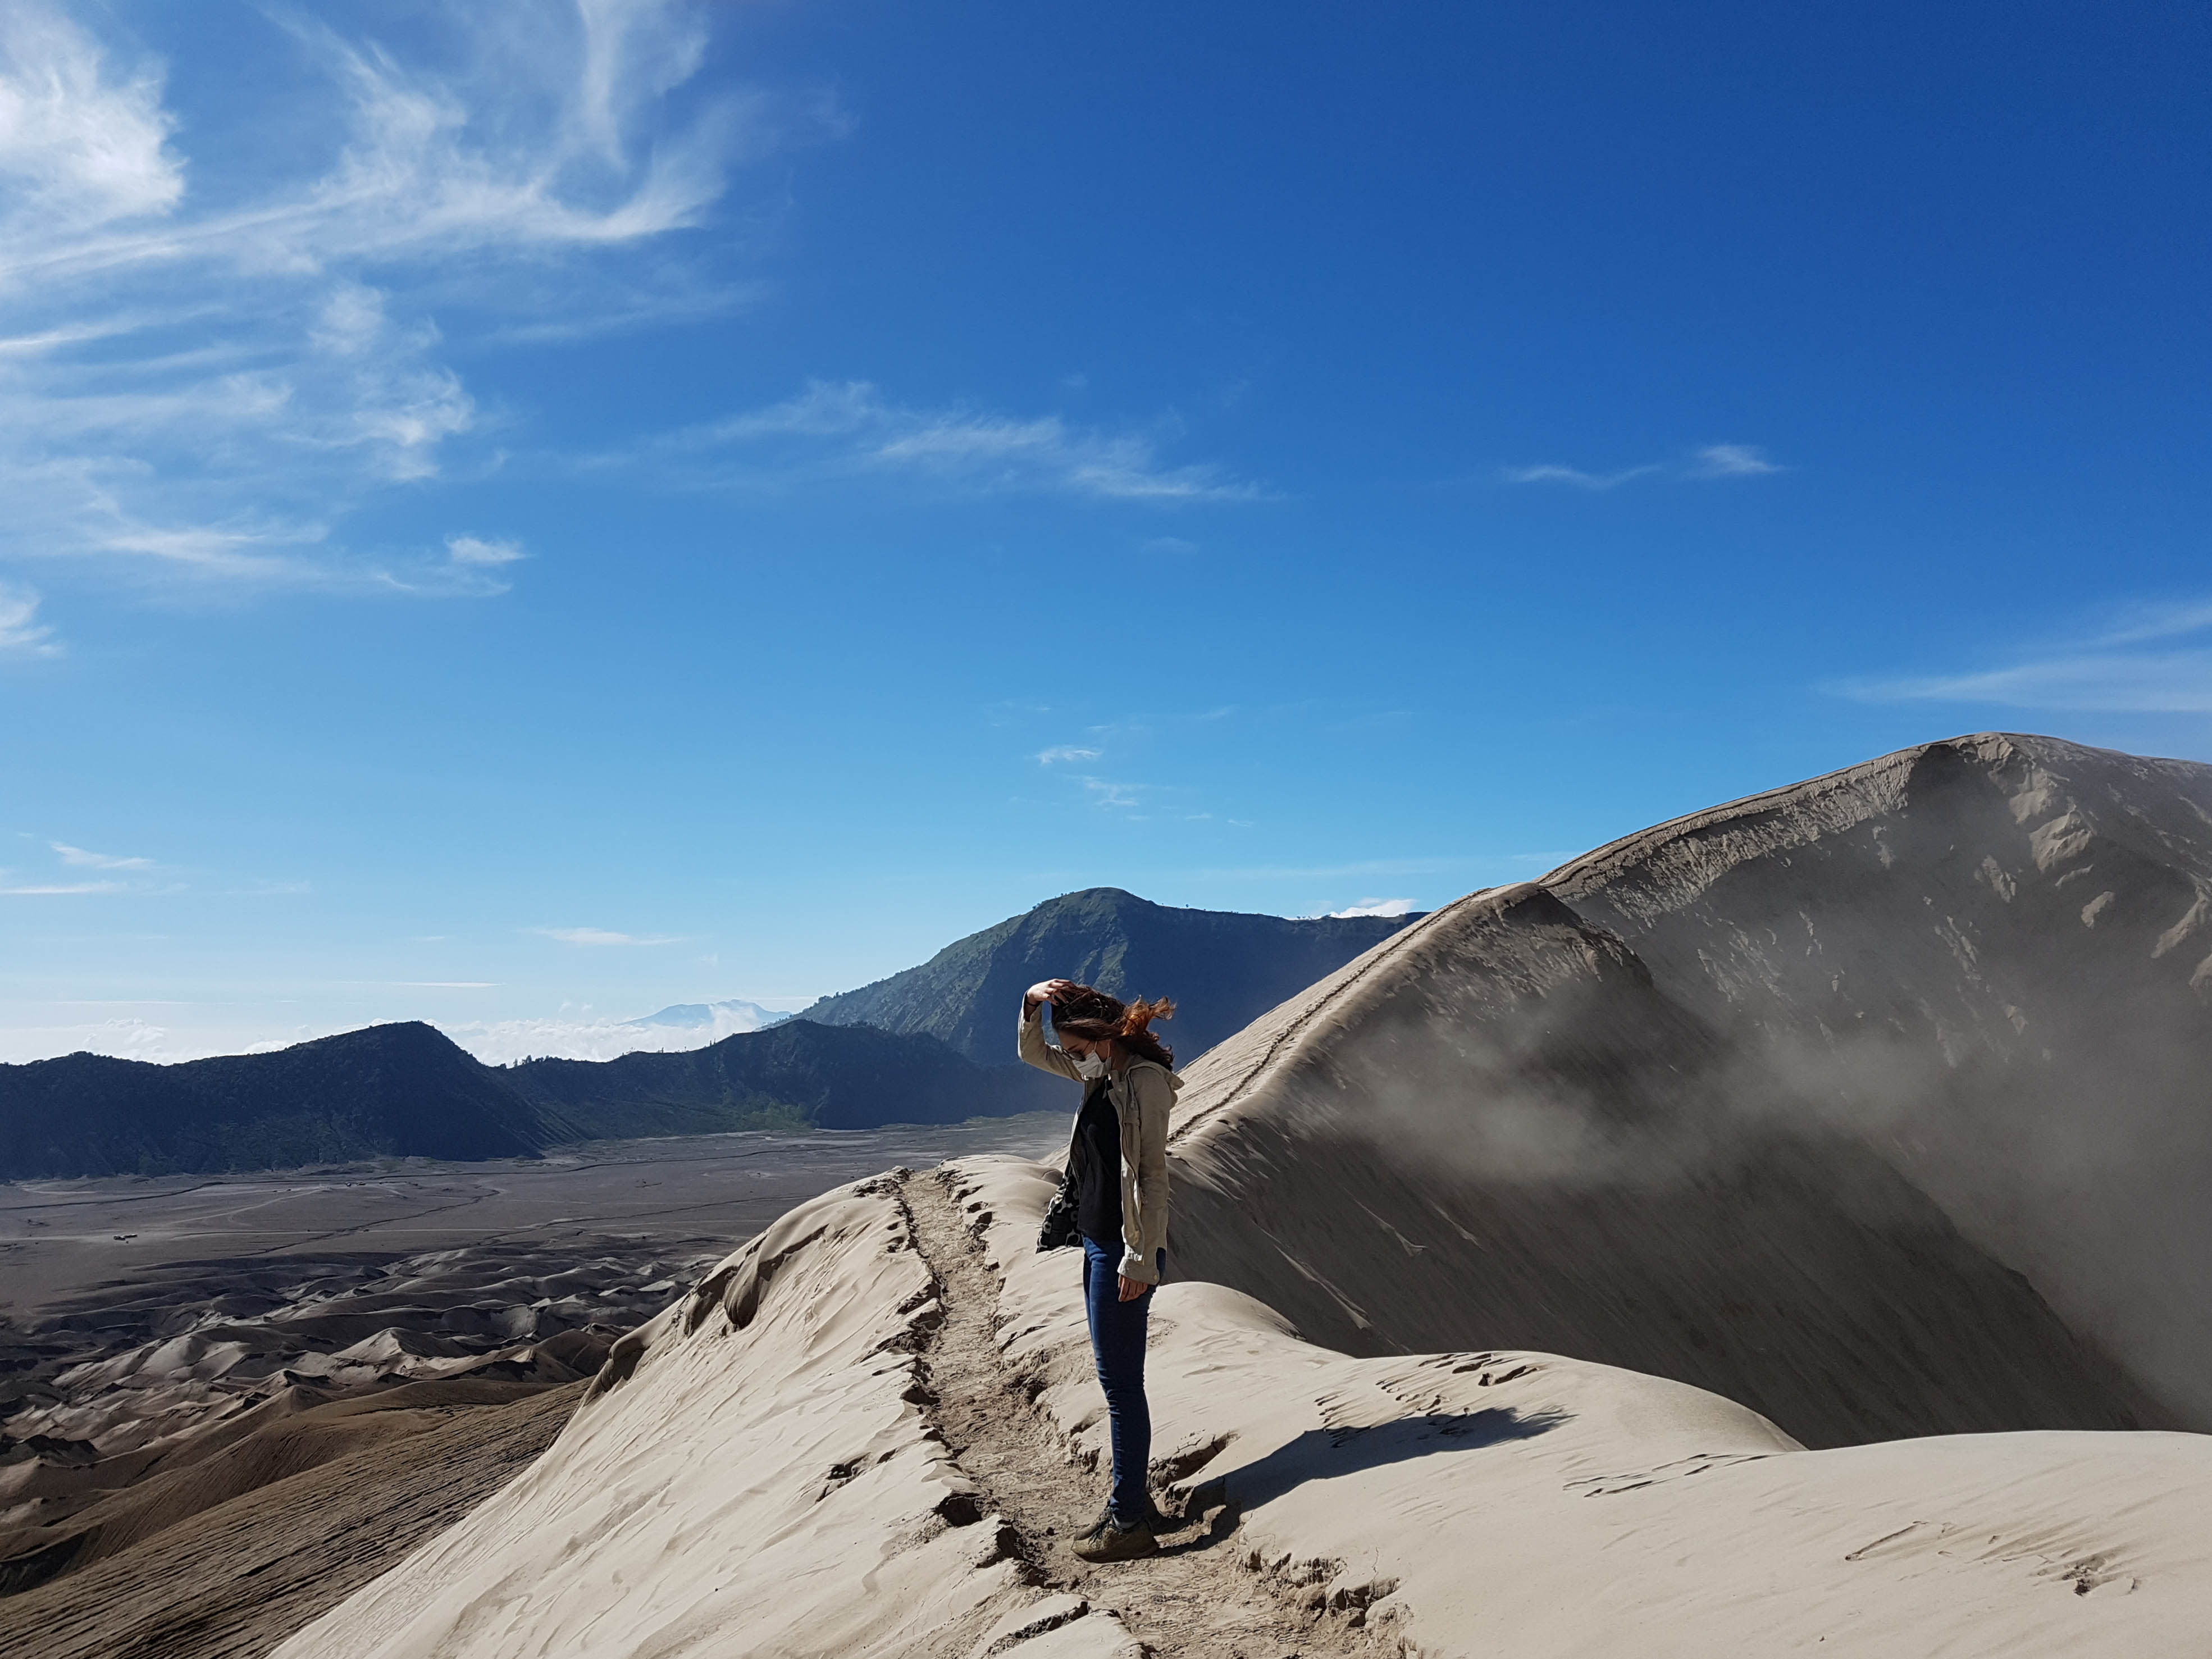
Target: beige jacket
(1143, 1095)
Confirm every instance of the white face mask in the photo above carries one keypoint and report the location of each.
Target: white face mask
(1089, 1065)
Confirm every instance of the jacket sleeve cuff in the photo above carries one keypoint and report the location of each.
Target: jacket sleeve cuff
(1135, 1267)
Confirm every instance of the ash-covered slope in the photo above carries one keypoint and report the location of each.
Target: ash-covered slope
(795, 1072)
(387, 1091)
(1903, 1036)
(1225, 968)
(1990, 959)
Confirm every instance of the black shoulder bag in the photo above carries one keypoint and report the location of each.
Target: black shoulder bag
(1060, 1230)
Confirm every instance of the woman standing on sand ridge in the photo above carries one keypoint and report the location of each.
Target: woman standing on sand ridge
(1114, 1203)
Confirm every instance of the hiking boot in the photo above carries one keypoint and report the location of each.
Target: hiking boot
(1154, 1520)
(1114, 1543)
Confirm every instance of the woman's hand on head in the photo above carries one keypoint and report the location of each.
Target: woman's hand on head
(1044, 991)
(1133, 1288)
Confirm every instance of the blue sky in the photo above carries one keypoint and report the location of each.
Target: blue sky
(520, 514)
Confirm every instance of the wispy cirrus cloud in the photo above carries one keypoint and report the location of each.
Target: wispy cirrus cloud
(202, 368)
(844, 429)
(1711, 461)
(1064, 752)
(84, 860)
(2107, 671)
(1106, 794)
(59, 889)
(1549, 472)
(474, 550)
(22, 633)
(598, 936)
(1731, 461)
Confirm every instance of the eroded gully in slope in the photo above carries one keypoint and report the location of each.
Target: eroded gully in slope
(1200, 1597)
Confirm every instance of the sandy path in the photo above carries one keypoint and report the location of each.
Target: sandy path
(1196, 1597)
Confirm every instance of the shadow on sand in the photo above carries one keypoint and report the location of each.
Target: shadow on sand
(1324, 1453)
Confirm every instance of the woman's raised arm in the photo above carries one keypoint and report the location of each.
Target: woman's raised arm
(1031, 1044)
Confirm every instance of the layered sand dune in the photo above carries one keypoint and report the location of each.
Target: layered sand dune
(1782, 1101)
(797, 1459)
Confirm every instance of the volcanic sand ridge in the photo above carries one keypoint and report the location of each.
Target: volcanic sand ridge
(1571, 1157)
(1196, 1597)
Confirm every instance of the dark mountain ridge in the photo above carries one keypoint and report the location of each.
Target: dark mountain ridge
(851, 1077)
(408, 1091)
(1224, 967)
(404, 1090)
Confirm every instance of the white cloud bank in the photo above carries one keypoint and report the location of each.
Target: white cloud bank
(1375, 906)
(201, 370)
(578, 1035)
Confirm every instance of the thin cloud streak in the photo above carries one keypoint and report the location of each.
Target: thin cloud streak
(2098, 674)
(1732, 461)
(83, 860)
(1574, 475)
(1711, 461)
(2169, 683)
(844, 429)
(22, 633)
(599, 936)
(1115, 797)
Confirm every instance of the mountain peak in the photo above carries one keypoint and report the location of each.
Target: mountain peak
(1223, 969)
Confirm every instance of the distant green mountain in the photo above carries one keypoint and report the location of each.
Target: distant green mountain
(1223, 969)
(388, 1090)
(797, 1073)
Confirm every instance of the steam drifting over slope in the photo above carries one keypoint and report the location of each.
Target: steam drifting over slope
(1507, 1125)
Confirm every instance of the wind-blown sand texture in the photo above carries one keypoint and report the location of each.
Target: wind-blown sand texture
(763, 1472)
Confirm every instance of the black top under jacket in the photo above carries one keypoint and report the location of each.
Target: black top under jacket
(1098, 1170)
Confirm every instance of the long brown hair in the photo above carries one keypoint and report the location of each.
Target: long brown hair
(1085, 1011)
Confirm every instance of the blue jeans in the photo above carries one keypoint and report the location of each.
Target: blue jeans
(1118, 1343)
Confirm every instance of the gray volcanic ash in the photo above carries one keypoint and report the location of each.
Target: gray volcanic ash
(1782, 1100)
(1990, 960)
